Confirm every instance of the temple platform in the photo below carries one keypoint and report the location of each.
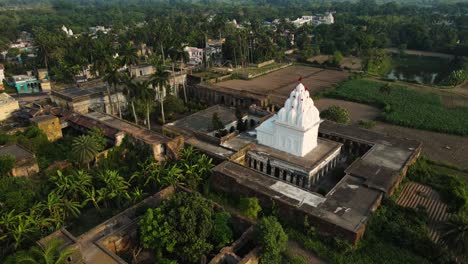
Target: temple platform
(304, 171)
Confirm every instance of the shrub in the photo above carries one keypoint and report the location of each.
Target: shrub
(270, 235)
(367, 123)
(337, 114)
(250, 207)
(7, 162)
(222, 234)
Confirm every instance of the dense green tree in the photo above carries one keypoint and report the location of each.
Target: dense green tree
(181, 227)
(271, 237)
(7, 162)
(250, 207)
(454, 236)
(222, 233)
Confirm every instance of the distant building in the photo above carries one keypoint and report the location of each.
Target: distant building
(141, 70)
(8, 105)
(95, 30)
(25, 160)
(82, 100)
(214, 50)
(26, 84)
(195, 55)
(327, 19)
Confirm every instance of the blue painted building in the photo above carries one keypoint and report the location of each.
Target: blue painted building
(26, 84)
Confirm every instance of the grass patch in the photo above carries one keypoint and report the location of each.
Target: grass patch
(406, 107)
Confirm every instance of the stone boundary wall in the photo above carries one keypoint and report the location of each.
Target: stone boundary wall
(219, 79)
(290, 212)
(262, 64)
(228, 137)
(126, 216)
(251, 76)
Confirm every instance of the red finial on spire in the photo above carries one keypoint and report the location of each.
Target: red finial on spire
(300, 79)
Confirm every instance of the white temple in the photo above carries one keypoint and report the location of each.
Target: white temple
(295, 128)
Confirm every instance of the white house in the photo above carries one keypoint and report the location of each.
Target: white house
(195, 55)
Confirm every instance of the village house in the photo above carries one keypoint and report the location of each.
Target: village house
(8, 105)
(25, 160)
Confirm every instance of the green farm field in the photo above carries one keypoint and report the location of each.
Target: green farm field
(405, 107)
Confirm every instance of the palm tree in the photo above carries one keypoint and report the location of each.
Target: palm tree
(50, 253)
(128, 55)
(112, 78)
(145, 95)
(131, 91)
(85, 149)
(160, 80)
(454, 236)
(178, 53)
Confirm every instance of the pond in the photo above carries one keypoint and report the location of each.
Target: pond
(418, 69)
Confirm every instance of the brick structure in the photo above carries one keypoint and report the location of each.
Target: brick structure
(50, 125)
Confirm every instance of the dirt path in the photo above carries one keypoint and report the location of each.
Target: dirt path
(436, 146)
(296, 250)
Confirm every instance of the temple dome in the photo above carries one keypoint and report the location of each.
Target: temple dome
(299, 109)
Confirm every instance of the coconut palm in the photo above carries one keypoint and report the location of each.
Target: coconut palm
(112, 78)
(128, 55)
(85, 149)
(146, 96)
(132, 92)
(160, 80)
(454, 236)
(50, 253)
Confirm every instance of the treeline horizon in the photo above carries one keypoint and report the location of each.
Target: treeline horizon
(285, 3)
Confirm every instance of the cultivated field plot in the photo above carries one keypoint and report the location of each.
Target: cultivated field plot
(416, 195)
(280, 83)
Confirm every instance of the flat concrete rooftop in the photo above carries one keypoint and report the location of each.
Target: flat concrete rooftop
(278, 84)
(77, 94)
(348, 206)
(129, 128)
(19, 152)
(202, 121)
(310, 161)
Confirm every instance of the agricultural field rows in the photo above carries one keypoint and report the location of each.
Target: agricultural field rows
(406, 107)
